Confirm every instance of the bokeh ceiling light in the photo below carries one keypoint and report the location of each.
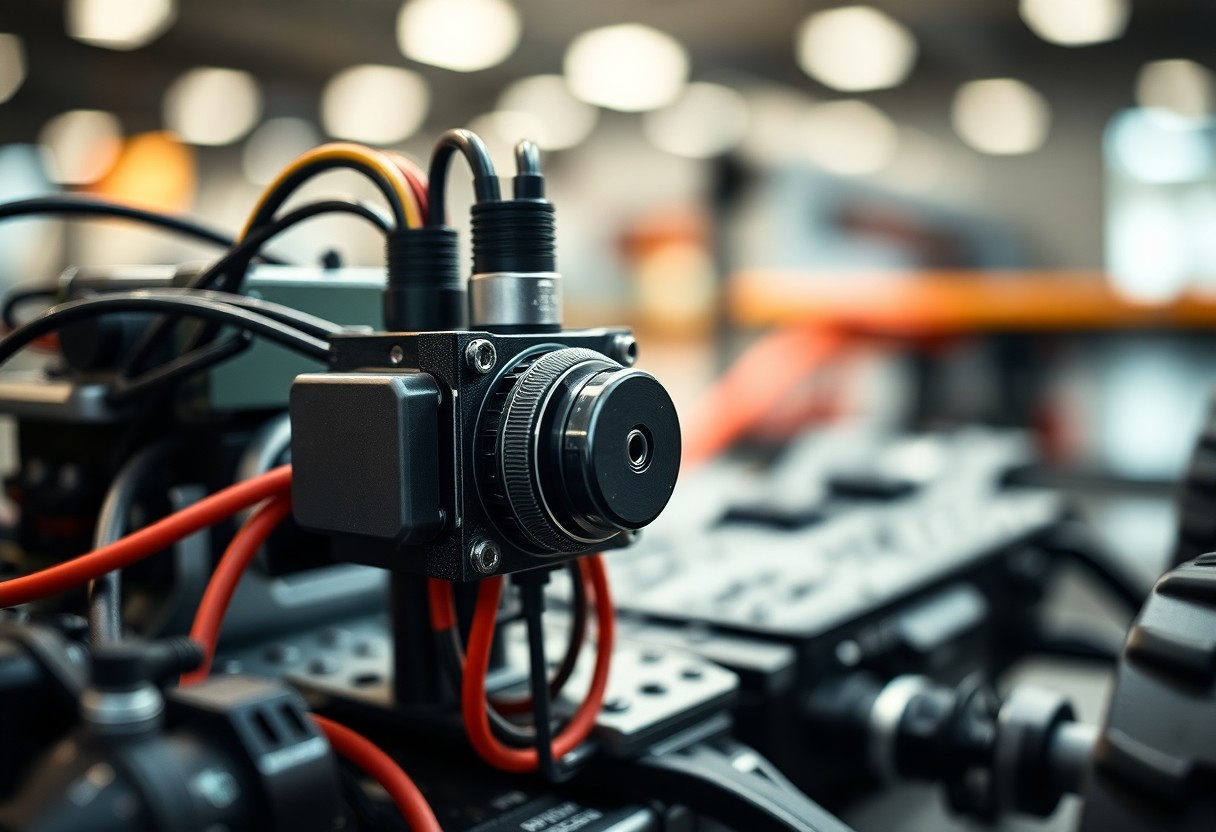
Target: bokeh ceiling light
(81, 146)
(119, 24)
(212, 106)
(705, 121)
(849, 138)
(1000, 116)
(461, 35)
(855, 48)
(561, 119)
(375, 104)
(1076, 22)
(12, 66)
(273, 145)
(775, 114)
(629, 67)
(1179, 86)
(1159, 147)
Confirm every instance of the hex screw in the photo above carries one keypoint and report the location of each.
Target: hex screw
(480, 356)
(485, 556)
(625, 349)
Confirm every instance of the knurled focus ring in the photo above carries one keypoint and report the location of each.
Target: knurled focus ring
(518, 450)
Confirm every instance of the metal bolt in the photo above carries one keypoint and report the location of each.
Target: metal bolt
(396, 355)
(481, 356)
(625, 349)
(485, 555)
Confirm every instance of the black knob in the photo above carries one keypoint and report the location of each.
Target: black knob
(584, 449)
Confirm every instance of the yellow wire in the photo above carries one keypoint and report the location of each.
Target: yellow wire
(350, 152)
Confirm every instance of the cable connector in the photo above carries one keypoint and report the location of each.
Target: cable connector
(515, 285)
(424, 291)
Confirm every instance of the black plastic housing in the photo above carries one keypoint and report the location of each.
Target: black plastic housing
(448, 463)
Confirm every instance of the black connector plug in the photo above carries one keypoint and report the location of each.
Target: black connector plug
(424, 292)
(515, 285)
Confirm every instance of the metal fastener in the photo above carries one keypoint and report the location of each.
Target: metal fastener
(396, 355)
(625, 349)
(485, 555)
(480, 356)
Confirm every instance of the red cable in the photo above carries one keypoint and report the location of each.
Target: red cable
(413, 176)
(443, 618)
(473, 689)
(236, 558)
(381, 767)
(147, 541)
(346, 742)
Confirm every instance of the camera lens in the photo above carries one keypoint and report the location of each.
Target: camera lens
(578, 449)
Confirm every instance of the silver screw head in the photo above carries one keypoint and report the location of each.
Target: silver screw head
(480, 356)
(396, 355)
(625, 349)
(485, 556)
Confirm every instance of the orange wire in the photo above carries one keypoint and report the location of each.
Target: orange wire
(758, 380)
(147, 541)
(473, 688)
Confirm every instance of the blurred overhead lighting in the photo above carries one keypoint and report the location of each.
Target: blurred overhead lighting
(775, 115)
(849, 138)
(920, 164)
(1158, 146)
(705, 121)
(155, 170)
(462, 35)
(12, 66)
(119, 24)
(1001, 116)
(81, 146)
(374, 104)
(561, 119)
(1076, 22)
(273, 145)
(855, 48)
(212, 106)
(628, 67)
(1179, 86)
(1147, 249)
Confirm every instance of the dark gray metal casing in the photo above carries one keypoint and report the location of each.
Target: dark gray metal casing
(344, 485)
(364, 452)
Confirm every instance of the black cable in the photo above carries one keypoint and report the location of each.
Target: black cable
(451, 653)
(485, 178)
(79, 206)
(294, 318)
(235, 264)
(105, 593)
(574, 643)
(145, 301)
(275, 199)
(259, 235)
(18, 296)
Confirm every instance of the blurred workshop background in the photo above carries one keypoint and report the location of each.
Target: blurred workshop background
(900, 213)
(993, 211)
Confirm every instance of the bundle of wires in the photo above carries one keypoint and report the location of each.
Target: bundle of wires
(214, 297)
(398, 179)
